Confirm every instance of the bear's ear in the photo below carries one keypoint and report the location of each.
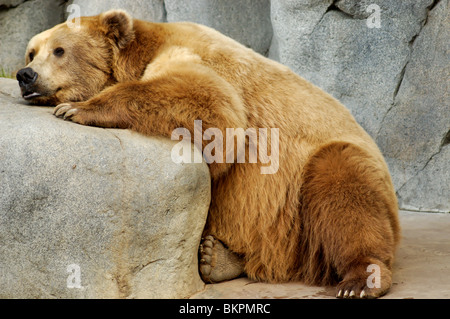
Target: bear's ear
(118, 26)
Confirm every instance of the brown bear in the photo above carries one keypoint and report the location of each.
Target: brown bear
(326, 216)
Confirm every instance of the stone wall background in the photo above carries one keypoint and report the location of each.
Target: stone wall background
(394, 79)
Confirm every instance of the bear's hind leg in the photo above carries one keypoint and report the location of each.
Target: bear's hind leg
(218, 263)
(349, 220)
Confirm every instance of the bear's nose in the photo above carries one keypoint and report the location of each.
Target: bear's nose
(26, 76)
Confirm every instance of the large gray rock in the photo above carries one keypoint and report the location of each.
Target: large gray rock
(247, 21)
(87, 212)
(150, 10)
(360, 66)
(10, 3)
(415, 134)
(394, 79)
(18, 25)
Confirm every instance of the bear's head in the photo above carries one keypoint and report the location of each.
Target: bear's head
(73, 62)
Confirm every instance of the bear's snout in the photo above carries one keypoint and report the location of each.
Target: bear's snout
(26, 77)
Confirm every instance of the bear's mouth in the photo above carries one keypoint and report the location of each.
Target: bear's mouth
(30, 95)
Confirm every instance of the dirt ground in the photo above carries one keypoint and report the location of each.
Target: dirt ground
(421, 269)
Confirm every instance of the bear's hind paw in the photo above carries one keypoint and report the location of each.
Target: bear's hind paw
(217, 263)
(354, 289)
(360, 283)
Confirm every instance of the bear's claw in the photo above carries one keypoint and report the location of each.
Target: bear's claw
(356, 289)
(65, 111)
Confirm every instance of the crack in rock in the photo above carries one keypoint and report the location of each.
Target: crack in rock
(352, 9)
(446, 140)
(419, 170)
(403, 71)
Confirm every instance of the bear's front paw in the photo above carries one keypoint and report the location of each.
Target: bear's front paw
(65, 111)
(71, 112)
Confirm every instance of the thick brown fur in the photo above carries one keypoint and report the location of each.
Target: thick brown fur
(327, 213)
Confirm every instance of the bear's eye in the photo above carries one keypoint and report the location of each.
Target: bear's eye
(31, 56)
(58, 52)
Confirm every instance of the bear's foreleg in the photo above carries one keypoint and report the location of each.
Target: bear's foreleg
(164, 103)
